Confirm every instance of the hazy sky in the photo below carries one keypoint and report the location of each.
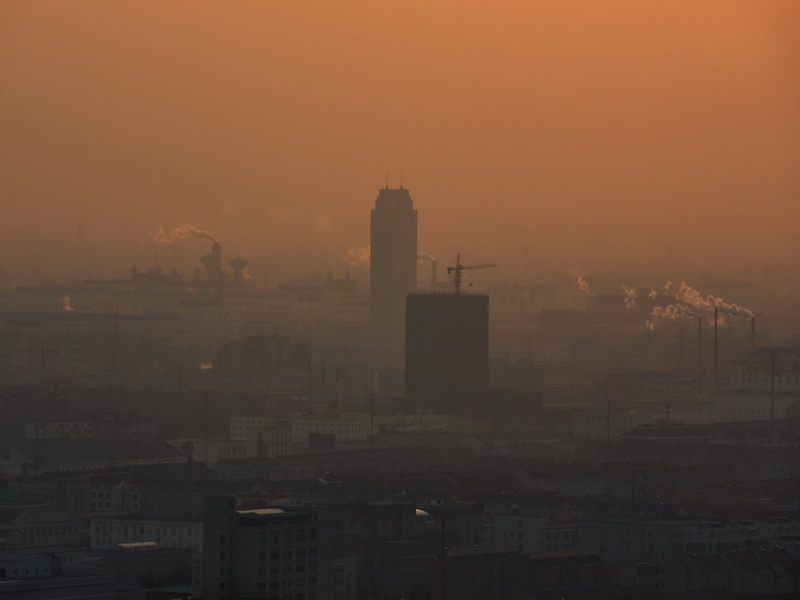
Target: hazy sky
(618, 137)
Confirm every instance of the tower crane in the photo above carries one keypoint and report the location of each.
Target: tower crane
(456, 271)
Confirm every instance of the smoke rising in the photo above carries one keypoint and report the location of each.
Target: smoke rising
(424, 256)
(669, 313)
(582, 285)
(357, 256)
(630, 297)
(689, 295)
(181, 233)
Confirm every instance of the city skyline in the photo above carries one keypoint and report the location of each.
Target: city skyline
(620, 139)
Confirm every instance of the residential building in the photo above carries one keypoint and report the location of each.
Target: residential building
(266, 553)
(106, 533)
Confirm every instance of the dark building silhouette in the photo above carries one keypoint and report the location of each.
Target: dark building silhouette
(447, 349)
(266, 552)
(393, 260)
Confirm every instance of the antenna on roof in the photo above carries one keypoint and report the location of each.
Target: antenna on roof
(401, 180)
(387, 180)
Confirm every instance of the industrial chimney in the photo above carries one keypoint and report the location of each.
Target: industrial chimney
(238, 264)
(213, 263)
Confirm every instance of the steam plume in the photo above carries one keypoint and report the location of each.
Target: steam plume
(582, 285)
(181, 233)
(66, 304)
(671, 313)
(425, 256)
(691, 296)
(630, 297)
(357, 256)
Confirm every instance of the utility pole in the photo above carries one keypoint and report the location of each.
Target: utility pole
(371, 416)
(772, 392)
(205, 443)
(699, 349)
(716, 340)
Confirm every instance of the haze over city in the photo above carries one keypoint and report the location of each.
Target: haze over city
(383, 300)
(618, 138)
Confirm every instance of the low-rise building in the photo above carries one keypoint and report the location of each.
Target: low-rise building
(347, 426)
(106, 533)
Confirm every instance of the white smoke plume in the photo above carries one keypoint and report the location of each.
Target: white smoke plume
(669, 313)
(653, 294)
(66, 304)
(425, 256)
(181, 233)
(630, 297)
(357, 256)
(689, 295)
(582, 285)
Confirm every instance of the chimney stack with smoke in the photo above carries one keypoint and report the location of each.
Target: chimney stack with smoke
(238, 264)
(424, 256)
(213, 263)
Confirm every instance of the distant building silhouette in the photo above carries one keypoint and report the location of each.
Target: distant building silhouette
(393, 260)
(447, 349)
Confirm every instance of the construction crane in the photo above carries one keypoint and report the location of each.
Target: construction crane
(456, 271)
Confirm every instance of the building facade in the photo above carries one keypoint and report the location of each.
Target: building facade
(267, 553)
(393, 260)
(447, 349)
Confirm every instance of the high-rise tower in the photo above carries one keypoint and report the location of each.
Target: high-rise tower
(393, 260)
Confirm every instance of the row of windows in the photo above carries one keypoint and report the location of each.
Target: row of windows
(275, 584)
(287, 554)
(764, 377)
(188, 531)
(51, 531)
(286, 536)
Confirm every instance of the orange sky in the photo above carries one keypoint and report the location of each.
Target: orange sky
(619, 137)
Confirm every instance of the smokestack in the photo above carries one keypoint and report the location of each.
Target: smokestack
(752, 333)
(213, 263)
(699, 348)
(434, 282)
(208, 263)
(238, 264)
(216, 252)
(716, 338)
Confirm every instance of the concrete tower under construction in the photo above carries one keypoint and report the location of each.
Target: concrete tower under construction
(447, 350)
(393, 260)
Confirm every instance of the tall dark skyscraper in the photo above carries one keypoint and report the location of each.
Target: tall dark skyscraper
(393, 260)
(447, 349)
